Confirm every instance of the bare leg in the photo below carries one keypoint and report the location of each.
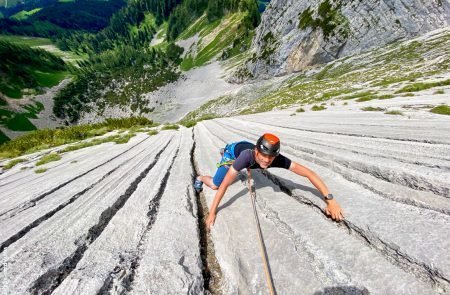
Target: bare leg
(208, 180)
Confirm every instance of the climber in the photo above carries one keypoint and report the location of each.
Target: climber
(239, 155)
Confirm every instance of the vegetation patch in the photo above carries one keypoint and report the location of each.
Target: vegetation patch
(152, 132)
(48, 158)
(300, 110)
(170, 127)
(192, 122)
(28, 68)
(40, 170)
(3, 138)
(372, 109)
(318, 108)
(423, 86)
(229, 34)
(47, 138)
(20, 122)
(394, 112)
(26, 40)
(22, 15)
(13, 163)
(441, 110)
(329, 19)
(124, 139)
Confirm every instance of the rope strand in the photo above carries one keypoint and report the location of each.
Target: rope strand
(262, 246)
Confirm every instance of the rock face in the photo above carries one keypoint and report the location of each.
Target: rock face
(296, 34)
(124, 219)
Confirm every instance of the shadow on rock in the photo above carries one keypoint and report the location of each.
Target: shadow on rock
(343, 290)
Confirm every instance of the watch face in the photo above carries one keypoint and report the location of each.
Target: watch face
(330, 197)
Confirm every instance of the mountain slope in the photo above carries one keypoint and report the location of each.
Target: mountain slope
(384, 73)
(296, 34)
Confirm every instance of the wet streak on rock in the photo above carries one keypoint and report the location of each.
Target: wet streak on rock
(33, 202)
(212, 274)
(422, 271)
(126, 270)
(50, 280)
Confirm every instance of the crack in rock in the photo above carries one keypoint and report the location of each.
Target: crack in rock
(33, 202)
(311, 156)
(422, 271)
(124, 283)
(333, 274)
(212, 274)
(45, 217)
(51, 279)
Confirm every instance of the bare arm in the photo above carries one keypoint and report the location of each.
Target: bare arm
(311, 175)
(229, 178)
(333, 209)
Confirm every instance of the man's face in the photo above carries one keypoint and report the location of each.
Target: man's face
(263, 160)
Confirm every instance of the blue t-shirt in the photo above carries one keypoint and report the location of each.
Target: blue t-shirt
(245, 158)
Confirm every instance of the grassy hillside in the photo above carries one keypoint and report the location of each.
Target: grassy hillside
(56, 20)
(22, 15)
(25, 70)
(27, 41)
(46, 138)
(223, 38)
(400, 69)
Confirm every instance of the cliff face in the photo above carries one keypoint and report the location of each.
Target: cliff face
(294, 34)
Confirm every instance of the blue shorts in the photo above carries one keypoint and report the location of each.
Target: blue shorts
(220, 174)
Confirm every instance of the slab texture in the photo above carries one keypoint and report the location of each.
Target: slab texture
(122, 218)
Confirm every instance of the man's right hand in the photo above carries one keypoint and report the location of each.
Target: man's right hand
(210, 220)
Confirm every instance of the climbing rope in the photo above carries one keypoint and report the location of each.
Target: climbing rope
(262, 246)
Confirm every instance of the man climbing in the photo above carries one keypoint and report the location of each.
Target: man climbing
(265, 154)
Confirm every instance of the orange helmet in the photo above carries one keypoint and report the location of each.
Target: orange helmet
(268, 144)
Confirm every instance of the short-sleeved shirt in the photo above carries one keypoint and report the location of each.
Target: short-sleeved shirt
(245, 158)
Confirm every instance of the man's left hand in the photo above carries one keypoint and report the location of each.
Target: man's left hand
(334, 210)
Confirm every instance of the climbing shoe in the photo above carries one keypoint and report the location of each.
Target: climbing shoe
(198, 185)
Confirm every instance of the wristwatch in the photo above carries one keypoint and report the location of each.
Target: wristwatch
(329, 197)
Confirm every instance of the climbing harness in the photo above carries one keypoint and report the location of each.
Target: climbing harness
(228, 155)
(262, 246)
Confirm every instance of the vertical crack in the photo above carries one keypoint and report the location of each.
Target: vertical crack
(422, 271)
(212, 274)
(123, 282)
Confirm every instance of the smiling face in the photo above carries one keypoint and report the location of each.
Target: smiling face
(263, 160)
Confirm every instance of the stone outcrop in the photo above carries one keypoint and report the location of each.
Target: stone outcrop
(296, 34)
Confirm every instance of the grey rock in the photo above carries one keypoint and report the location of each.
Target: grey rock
(281, 46)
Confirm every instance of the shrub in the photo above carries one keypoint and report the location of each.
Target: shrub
(394, 112)
(372, 109)
(48, 158)
(300, 110)
(441, 110)
(318, 108)
(422, 86)
(46, 138)
(13, 163)
(170, 127)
